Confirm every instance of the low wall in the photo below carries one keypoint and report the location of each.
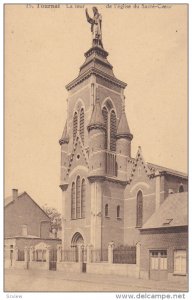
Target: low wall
(19, 264)
(115, 269)
(38, 265)
(178, 278)
(71, 267)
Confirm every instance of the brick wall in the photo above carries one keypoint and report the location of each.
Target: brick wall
(162, 239)
(23, 211)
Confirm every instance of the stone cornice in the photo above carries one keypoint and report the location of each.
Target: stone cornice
(128, 136)
(94, 71)
(96, 126)
(93, 178)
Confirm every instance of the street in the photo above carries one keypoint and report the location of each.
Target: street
(57, 281)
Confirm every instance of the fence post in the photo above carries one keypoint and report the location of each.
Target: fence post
(47, 255)
(31, 253)
(59, 249)
(138, 254)
(89, 248)
(26, 257)
(110, 252)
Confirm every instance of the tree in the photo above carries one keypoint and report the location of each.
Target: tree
(55, 218)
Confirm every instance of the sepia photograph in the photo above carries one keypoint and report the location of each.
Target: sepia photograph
(96, 147)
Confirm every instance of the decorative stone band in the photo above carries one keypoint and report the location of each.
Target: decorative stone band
(128, 136)
(106, 178)
(96, 126)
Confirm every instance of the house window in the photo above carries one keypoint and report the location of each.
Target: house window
(118, 211)
(106, 210)
(24, 230)
(181, 188)
(75, 126)
(139, 216)
(180, 262)
(159, 260)
(81, 126)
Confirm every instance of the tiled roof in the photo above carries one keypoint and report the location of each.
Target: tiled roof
(172, 212)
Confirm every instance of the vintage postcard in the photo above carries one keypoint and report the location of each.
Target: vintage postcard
(96, 151)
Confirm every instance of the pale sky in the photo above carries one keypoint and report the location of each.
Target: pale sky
(44, 49)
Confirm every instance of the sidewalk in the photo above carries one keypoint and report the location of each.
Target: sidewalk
(35, 280)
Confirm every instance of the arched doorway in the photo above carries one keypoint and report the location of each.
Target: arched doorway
(77, 239)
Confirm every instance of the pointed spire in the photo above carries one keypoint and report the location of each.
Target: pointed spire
(123, 130)
(97, 120)
(64, 139)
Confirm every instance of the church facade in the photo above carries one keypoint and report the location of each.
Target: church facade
(107, 195)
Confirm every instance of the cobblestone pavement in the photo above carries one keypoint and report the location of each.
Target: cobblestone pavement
(57, 281)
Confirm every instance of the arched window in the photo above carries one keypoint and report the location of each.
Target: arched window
(106, 210)
(105, 116)
(139, 216)
(181, 188)
(81, 126)
(78, 198)
(73, 202)
(75, 125)
(83, 198)
(118, 211)
(113, 130)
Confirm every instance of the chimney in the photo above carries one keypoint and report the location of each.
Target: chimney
(15, 194)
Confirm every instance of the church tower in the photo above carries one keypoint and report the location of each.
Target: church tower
(95, 150)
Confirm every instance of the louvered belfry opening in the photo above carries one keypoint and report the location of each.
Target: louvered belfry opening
(113, 131)
(110, 141)
(105, 116)
(75, 120)
(82, 124)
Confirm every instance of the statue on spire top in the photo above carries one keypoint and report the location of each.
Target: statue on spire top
(96, 26)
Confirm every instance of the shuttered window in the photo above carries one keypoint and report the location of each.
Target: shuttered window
(180, 262)
(73, 202)
(82, 124)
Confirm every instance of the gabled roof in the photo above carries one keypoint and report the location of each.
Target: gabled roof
(172, 213)
(9, 200)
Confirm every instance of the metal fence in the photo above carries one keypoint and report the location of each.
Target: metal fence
(69, 255)
(39, 255)
(99, 255)
(21, 255)
(124, 255)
